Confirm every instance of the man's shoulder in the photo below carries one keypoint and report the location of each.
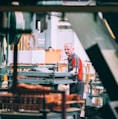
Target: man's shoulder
(77, 57)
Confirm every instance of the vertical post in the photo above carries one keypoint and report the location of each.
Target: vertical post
(63, 105)
(15, 68)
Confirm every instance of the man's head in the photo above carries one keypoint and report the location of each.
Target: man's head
(69, 49)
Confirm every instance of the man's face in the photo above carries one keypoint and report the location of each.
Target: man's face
(68, 49)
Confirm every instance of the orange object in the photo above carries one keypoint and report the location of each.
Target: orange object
(33, 86)
(52, 57)
(62, 67)
(5, 78)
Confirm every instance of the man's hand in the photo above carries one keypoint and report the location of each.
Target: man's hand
(74, 71)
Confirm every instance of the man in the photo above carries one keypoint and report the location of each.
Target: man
(75, 68)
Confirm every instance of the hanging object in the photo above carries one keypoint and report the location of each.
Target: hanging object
(16, 23)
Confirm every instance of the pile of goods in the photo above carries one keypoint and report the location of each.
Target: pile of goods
(33, 97)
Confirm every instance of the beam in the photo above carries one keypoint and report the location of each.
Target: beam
(60, 8)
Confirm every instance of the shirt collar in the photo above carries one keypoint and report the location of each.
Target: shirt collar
(71, 57)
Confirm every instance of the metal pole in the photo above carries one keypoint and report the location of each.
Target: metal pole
(15, 68)
(63, 105)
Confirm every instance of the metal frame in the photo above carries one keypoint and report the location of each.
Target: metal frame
(43, 112)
